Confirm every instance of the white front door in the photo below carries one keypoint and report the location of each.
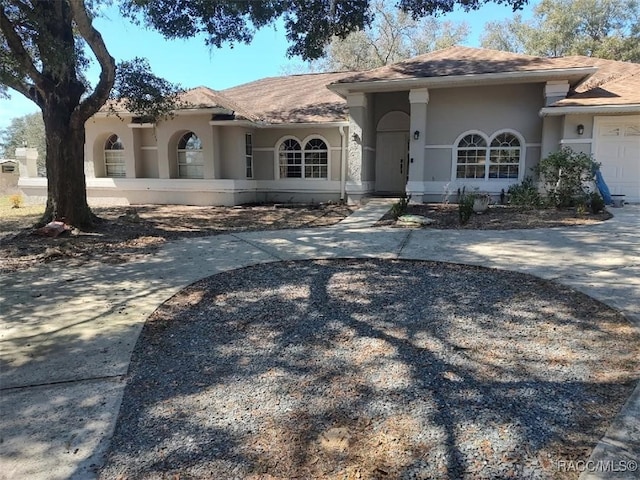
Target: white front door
(617, 148)
(392, 162)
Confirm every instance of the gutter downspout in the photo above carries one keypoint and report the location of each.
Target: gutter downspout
(343, 169)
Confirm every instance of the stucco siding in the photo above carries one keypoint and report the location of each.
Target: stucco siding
(232, 152)
(451, 112)
(437, 165)
(389, 102)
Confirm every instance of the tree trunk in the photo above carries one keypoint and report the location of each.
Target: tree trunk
(66, 195)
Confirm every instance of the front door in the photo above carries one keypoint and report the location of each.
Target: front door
(392, 162)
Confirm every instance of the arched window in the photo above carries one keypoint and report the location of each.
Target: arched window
(114, 164)
(498, 158)
(316, 159)
(312, 161)
(504, 156)
(190, 157)
(290, 155)
(472, 156)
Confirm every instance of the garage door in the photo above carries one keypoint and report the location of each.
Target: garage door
(617, 148)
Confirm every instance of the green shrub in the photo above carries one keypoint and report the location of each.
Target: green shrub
(400, 207)
(596, 203)
(465, 207)
(525, 194)
(563, 174)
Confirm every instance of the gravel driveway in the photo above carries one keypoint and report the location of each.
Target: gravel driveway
(372, 369)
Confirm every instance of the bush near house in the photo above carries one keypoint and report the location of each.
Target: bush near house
(563, 175)
(525, 194)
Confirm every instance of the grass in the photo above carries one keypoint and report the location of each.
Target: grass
(13, 219)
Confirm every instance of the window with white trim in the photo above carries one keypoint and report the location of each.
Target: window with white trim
(290, 158)
(316, 159)
(312, 161)
(190, 157)
(114, 163)
(498, 158)
(248, 155)
(472, 156)
(504, 156)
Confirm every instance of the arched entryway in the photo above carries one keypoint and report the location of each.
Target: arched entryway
(392, 153)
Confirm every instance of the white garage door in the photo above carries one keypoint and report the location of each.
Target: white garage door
(617, 148)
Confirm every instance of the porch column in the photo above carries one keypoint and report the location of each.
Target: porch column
(418, 98)
(357, 185)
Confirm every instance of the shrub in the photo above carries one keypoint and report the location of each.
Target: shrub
(400, 207)
(564, 174)
(596, 202)
(16, 200)
(465, 207)
(525, 194)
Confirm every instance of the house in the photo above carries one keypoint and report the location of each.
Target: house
(451, 118)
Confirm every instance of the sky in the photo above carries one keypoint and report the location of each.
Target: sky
(190, 63)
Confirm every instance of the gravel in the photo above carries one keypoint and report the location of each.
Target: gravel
(372, 369)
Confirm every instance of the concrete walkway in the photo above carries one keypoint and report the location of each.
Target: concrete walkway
(66, 334)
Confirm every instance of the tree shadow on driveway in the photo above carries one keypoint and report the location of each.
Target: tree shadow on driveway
(370, 369)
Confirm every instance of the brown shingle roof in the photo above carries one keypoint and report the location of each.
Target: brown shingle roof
(461, 61)
(292, 99)
(615, 83)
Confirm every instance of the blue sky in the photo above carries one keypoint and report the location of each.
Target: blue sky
(191, 63)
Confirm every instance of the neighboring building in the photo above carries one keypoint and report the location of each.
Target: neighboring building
(455, 117)
(8, 174)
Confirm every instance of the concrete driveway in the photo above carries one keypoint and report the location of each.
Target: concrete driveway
(66, 334)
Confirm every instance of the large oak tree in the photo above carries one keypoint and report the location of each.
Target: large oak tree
(45, 46)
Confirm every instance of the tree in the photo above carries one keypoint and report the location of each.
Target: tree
(45, 46)
(27, 130)
(598, 28)
(392, 36)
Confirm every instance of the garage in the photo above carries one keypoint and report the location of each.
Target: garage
(617, 148)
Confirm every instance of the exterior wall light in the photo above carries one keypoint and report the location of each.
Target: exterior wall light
(416, 135)
(580, 129)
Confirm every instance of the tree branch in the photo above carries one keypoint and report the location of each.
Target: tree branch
(20, 53)
(93, 102)
(16, 84)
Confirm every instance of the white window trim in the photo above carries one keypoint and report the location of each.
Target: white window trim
(108, 164)
(488, 140)
(302, 143)
(247, 157)
(184, 150)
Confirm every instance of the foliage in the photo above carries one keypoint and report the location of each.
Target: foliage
(465, 207)
(525, 194)
(598, 28)
(15, 200)
(596, 202)
(564, 174)
(142, 92)
(392, 36)
(400, 207)
(27, 130)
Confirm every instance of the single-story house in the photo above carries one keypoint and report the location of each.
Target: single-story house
(457, 117)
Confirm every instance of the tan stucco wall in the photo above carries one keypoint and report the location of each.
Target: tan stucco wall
(452, 111)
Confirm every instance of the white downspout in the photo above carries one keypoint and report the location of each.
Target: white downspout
(343, 166)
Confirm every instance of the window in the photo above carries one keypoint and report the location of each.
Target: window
(190, 157)
(248, 155)
(310, 162)
(497, 159)
(316, 160)
(8, 168)
(114, 163)
(290, 155)
(472, 156)
(504, 156)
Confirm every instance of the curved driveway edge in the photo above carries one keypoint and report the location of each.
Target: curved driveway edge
(67, 333)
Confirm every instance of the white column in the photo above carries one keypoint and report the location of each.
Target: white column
(418, 98)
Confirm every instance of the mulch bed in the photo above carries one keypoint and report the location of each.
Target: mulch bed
(500, 217)
(126, 233)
